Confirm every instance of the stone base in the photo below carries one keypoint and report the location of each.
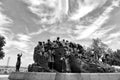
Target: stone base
(63, 76)
(31, 76)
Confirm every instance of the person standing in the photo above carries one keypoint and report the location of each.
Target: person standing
(18, 62)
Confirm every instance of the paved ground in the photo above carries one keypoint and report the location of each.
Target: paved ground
(4, 77)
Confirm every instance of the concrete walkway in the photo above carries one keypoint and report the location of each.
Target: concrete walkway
(63, 76)
(1, 76)
(4, 77)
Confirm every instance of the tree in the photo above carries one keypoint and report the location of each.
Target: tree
(2, 43)
(98, 48)
(116, 58)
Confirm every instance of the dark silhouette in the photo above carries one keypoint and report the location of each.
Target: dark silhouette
(54, 55)
(65, 56)
(18, 62)
(2, 43)
(59, 63)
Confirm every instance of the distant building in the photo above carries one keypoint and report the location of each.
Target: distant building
(9, 69)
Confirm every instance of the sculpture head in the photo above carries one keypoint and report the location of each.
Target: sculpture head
(58, 38)
(19, 55)
(40, 43)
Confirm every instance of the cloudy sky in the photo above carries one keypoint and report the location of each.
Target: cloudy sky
(25, 22)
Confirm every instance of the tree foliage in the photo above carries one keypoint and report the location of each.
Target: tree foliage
(116, 58)
(2, 43)
(98, 48)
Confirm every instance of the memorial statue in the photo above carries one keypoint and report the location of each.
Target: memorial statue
(18, 62)
(64, 56)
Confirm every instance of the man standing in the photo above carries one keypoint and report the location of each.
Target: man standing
(18, 62)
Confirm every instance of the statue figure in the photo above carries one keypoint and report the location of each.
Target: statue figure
(64, 56)
(18, 62)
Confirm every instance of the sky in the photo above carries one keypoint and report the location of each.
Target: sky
(25, 22)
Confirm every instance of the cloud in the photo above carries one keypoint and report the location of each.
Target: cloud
(4, 23)
(86, 7)
(20, 43)
(113, 43)
(49, 11)
(38, 32)
(114, 35)
(99, 22)
(34, 2)
(19, 46)
(52, 11)
(38, 7)
(4, 20)
(23, 37)
(61, 29)
(102, 32)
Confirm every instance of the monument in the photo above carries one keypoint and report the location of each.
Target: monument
(64, 60)
(64, 56)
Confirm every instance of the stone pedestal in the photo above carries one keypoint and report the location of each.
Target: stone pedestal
(63, 76)
(32, 76)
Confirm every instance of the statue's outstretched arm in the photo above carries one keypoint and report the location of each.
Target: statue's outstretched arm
(21, 54)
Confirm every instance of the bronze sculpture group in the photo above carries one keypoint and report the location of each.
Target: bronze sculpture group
(64, 56)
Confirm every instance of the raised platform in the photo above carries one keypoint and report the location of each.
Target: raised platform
(63, 76)
(32, 76)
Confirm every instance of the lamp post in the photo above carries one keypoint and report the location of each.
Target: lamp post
(8, 62)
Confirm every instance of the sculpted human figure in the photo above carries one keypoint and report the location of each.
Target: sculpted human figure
(18, 62)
